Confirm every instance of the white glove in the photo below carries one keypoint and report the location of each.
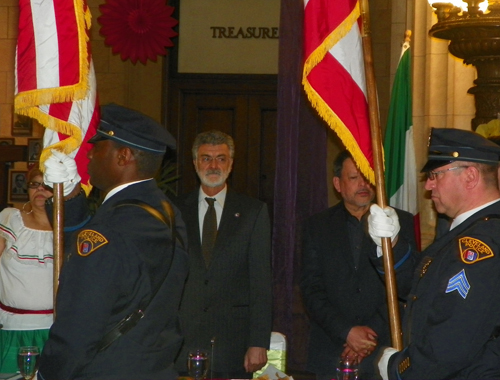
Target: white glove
(383, 223)
(383, 362)
(60, 168)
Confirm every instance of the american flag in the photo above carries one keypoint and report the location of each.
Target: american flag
(55, 78)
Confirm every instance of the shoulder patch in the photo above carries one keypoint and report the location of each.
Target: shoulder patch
(88, 241)
(472, 250)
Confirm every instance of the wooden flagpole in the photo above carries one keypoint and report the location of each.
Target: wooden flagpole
(58, 223)
(371, 86)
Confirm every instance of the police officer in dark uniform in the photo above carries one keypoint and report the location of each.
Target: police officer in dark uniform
(121, 282)
(452, 319)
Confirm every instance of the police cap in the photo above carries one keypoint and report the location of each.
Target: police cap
(133, 129)
(449, 145)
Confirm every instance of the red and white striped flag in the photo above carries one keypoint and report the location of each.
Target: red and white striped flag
(55, 79)
(334, 76)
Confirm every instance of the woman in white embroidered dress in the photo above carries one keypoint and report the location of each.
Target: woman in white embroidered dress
(26, 298)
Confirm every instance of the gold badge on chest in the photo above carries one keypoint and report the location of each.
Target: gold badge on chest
(473, 250)
(88, 241)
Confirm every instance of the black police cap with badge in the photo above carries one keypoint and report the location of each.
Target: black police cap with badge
(447, 145)
(133, 129)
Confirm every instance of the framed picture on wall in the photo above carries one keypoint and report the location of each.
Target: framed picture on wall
(22, 125)
(34, 149)
(18, 186)
(6, 141)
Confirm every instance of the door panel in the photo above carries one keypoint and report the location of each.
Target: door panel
(247, 115)
(263, 118)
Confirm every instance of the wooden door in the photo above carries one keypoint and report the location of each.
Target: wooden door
(248, 114)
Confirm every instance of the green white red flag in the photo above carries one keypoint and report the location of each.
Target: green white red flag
(334, 75)
(399, 151)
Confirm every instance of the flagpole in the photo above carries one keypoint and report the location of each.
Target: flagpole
(57, 30)
(58, 223)
(371, 87)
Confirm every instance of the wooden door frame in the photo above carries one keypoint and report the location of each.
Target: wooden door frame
(176, 84)
(184, 81)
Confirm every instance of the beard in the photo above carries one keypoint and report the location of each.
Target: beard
(206, 180)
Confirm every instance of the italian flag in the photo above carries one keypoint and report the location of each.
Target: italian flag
(400, 167)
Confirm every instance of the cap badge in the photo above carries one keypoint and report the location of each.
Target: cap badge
(459, 283)
(88, 241)
(472, 250)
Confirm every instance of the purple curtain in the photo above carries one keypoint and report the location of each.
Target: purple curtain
(301, 183)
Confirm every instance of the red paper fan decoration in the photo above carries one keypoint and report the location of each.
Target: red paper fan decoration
(137, 29)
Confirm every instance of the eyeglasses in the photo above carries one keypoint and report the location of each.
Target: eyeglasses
(218, 159)
(35, 185)
(432, 175)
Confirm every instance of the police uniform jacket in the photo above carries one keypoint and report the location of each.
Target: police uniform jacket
(114, 266)
(452, 319)
(339, 295)
(231, 299)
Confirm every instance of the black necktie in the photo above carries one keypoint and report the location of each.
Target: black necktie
(209, 231)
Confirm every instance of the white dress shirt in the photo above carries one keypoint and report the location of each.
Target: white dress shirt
(466, 215)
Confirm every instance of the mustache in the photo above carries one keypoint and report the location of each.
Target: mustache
(213, 171)
(364, 189)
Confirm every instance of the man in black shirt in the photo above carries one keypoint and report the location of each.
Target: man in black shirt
(343, 293)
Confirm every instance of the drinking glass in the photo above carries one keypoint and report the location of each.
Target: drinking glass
(197, 363)
(347, 369)
(27, 360)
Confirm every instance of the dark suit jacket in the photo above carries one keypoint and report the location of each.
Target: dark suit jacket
(99, 289)
(338, 296)
(230, 301)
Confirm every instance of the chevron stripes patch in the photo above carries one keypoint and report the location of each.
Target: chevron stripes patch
(459, 283)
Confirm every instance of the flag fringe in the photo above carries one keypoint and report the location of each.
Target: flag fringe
(326, 113)
(335, 36)
(66, 146)
(58, 125)
(345, 135)
(27, 102)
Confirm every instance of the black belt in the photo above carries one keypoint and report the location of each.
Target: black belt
(124, 326)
